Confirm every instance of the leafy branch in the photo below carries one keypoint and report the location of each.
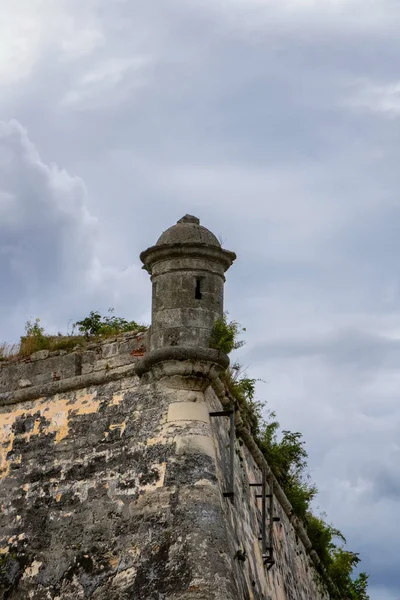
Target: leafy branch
(224, 335)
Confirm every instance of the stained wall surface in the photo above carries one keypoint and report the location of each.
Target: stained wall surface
(113, 490)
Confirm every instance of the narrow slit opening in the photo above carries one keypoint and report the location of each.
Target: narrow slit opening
(197, 292)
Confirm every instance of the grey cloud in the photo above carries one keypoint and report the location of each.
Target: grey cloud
(48, 255)
(46, 231)
(387, 483)
(351, 349)
(246, 114)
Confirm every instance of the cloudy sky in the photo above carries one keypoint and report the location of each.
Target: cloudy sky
(277, 123)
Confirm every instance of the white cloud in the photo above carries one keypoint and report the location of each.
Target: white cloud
(48, 238)
(108, 82)
(296, 205)
(379, 98)
(44, 220)
(81, 42)
(297, 17)
(32, 28)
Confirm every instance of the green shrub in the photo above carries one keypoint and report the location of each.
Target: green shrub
(340, 568)
(96, 325)
(242, 389)
(92, 326)
(360, 586)
(321, 536)
(224, 335)
(287, 457)
(34, 338)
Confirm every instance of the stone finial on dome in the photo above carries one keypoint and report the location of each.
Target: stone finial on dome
(189, 219)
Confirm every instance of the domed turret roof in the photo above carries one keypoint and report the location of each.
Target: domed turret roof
(187, 239)
(188, 230)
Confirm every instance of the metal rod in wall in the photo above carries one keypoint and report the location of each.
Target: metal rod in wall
(231, 414)
(263, 514)
(271, 516)
(271, 560)
(232, 451)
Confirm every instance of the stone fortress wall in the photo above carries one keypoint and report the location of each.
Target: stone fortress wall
(116, 462)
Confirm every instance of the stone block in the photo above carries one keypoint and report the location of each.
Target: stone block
(40, 355)
(195, 444)
(188, 411)
(110, 349)
(24, 383)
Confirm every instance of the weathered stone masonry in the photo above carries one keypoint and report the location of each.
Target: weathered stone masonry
(112, 472)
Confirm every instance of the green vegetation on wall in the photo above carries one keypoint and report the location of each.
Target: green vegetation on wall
(36, 338)
(283, 450)
(92, 327)
(224, 335)
(96, 325)
(286, 455)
